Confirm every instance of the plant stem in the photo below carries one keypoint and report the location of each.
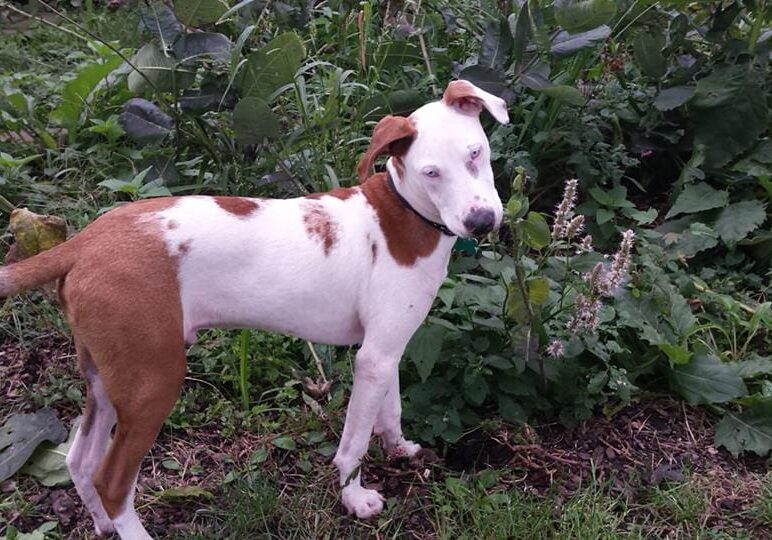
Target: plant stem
(244, 367)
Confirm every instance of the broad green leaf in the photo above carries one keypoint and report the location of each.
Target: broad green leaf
(273, 66)
(536, 231)
(538, 292)
(48, 463)
(144, 122)
(77, 91)
(521, 32)
(490, 80)
(565, 44)
(584, 15)
(22, 434)
(35, 233)
(198, 12)
(254, 121)
(161, 70)
(697, 198)
(675, 96)
(729, 111)
(496, 45)
(737, 220)
(675, 353)
(682, 319)
(510, 410)
(749, 431)
(603, 215)
(698, 237)
(424, 349)
(706, 379)
(203, 45)
(210, 97)
(475, 387)
(647, 51)
(567, 94)
(160, 21)
(285, 442)
(753, 366)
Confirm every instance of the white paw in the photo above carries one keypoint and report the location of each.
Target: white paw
(365, 503)
(103, 527)
(404, 449)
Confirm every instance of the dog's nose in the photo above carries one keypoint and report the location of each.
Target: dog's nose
(480, 221)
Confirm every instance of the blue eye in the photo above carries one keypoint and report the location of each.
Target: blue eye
(475, 153)
(432, 173)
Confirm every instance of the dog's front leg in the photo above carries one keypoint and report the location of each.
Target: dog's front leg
(373, 373)
(388, 424)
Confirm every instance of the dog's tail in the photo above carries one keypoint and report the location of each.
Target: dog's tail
(38, 270)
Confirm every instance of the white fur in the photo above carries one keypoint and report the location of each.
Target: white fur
(266, 271)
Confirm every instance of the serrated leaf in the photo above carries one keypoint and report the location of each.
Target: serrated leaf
(424, 349)
(496, 45)
(697, 198)
(254, 121)
(739, 219)
(675, 96)
(564, 43)
(159, 71)
(285, 442)
(583, 15)
(729, 111)
(144, 122)
(706, 380)
(566, 94)
(749, 431)
(647, 51)
(536, 231)
(22, 434)
(198, 12)
(273, 66)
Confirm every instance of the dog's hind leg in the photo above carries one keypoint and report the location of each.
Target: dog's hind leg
(141, 410)
(91, 441)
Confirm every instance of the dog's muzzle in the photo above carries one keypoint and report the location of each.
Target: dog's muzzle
(480, 221)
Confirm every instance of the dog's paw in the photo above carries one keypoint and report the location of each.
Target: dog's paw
(365, 503)
(103, 528)
(404, 449)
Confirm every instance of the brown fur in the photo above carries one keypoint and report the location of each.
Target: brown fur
(338, 193)
(238, 206)
(461, 94)
(392, 135)
(408, 237)
(320, 225)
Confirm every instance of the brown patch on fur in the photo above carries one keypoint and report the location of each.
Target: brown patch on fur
(88, 370)
(171, 225)
(408, 237)
(320, 225)
(472, 168)
(184, 247)
(338, 193)
(124, 324)
(238, 206)
(392, 135)
(399, 166)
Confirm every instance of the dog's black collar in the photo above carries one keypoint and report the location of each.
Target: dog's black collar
(439, 226)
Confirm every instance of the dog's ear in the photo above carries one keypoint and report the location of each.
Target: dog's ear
(468, 99)
(392, 135)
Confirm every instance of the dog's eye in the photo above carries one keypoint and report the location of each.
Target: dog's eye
(475, 152)
(431, 172)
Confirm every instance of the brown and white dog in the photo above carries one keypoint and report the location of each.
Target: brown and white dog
(353, 266)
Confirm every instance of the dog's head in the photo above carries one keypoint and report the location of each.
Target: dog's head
(440, 159)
